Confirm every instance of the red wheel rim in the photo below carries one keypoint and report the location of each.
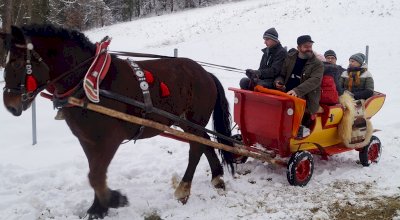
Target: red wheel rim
(303, 170)
(373, 153)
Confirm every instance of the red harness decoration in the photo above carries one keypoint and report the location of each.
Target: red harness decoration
(164, 90)
(149, 77)
(97, 71)
(31, 84)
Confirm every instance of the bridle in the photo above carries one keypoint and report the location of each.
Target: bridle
(28, 88)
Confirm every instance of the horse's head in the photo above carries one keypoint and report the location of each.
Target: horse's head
(25, 73)
(37, 56)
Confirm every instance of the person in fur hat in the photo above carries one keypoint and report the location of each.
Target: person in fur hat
(357, 79)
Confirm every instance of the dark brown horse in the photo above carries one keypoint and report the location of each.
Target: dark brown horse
(53, 51)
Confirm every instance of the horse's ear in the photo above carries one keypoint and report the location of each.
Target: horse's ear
(17, 35)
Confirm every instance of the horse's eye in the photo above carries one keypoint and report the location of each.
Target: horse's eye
(17, 64)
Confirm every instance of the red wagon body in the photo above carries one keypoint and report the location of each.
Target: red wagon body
(266, 124)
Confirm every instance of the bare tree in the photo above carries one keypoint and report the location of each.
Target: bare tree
(6, 28)
(40, 11)
(86, 14)
(7, 16)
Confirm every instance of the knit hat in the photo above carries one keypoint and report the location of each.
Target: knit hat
(359, 57)
(304, 39)
(271, 34)
(330, 53)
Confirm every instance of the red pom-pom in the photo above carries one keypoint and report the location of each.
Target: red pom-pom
(149, 77)
(164, 90)
(31, 84)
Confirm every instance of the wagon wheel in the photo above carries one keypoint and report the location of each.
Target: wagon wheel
(371, 152)
(300, 168)
(239, 159)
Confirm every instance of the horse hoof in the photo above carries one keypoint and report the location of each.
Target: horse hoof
(94, 216)
(182, 193)
(184, 200)
(117, 200)
(97, 212)
(218, 182)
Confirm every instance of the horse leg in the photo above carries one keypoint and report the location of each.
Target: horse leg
(99, 155)
(217, 170)
(183, 191)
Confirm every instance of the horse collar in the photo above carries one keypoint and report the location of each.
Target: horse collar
(97, 71)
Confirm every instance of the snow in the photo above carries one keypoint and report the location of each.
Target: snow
(49, 180)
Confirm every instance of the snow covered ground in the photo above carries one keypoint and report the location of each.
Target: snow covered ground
(48, 180)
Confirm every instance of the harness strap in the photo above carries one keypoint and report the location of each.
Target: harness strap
(144, 86)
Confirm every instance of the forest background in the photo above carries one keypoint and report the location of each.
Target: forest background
(87, 14)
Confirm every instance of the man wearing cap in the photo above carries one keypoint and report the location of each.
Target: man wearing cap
(331, 68)
(271, 63)
(301, 74)
(357, 79)
(330, 57)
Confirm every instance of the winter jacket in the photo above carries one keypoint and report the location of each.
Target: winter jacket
(358, 81)
(330, 89)
(310, 82)
(335, 71)
(271, 63)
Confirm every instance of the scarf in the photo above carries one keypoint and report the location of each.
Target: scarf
(354, 76)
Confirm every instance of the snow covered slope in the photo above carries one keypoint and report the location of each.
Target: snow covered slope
(48, 180)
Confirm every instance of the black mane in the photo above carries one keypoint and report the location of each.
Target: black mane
(48, 30)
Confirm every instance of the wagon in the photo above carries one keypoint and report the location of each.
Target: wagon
(269, 123)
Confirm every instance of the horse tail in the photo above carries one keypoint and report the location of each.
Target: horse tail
(222, 123)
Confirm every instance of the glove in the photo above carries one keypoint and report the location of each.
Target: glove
(279, 85)
(253, 73)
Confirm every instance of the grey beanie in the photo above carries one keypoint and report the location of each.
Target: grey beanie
(271, 34)
(359, 57)
(330, 53)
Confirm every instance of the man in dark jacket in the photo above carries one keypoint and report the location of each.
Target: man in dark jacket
(331, 58)
(270, 65)
(302, 73)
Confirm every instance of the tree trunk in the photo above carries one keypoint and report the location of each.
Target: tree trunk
(28, 18)
(7, 22)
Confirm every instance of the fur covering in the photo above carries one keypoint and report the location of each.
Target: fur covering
(345, 128)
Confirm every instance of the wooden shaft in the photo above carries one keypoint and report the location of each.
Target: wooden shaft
(238, 149)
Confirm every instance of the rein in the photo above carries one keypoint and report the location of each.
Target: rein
(27, 93)
(66, 73)
(147, 55)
